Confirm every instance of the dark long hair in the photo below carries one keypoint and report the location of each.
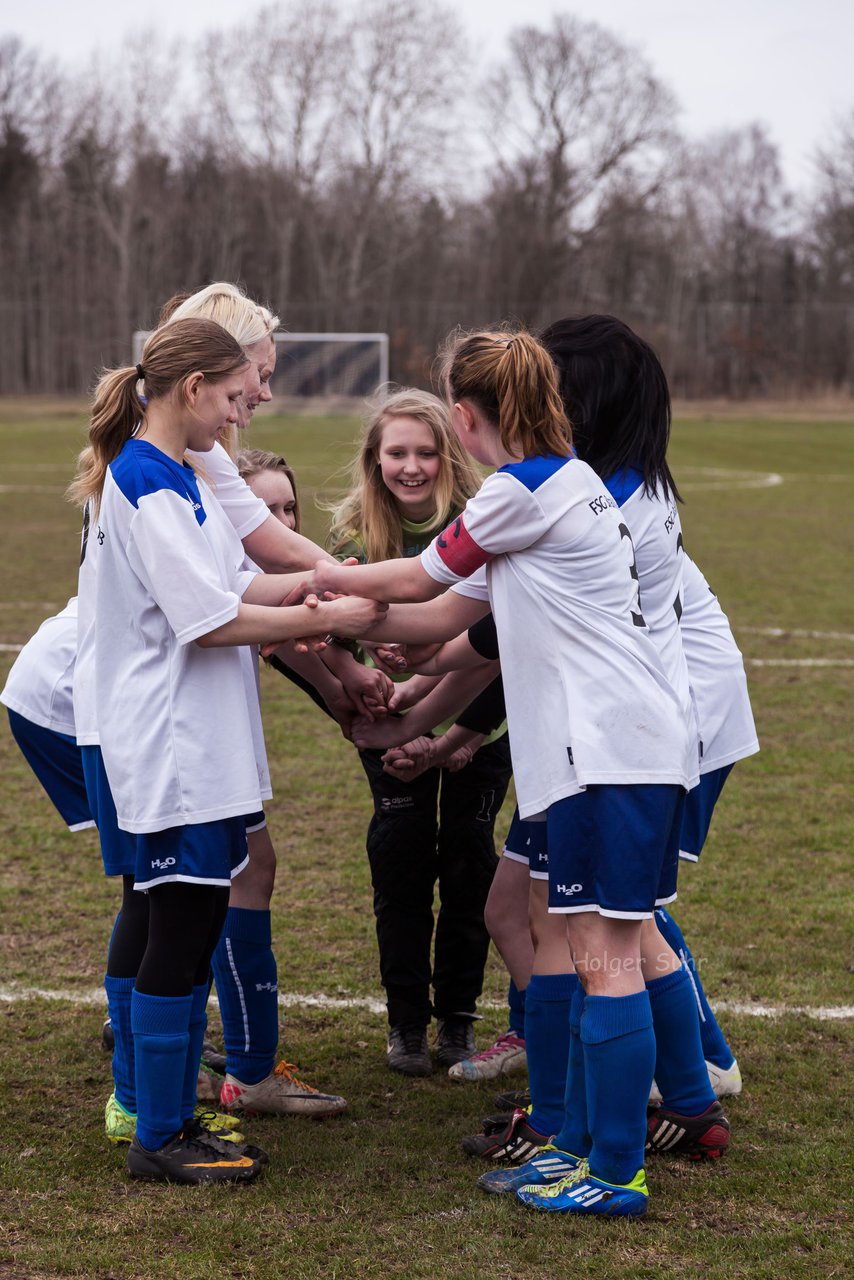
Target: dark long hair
(616, 396)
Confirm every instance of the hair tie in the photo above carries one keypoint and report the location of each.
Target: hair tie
(140, 372)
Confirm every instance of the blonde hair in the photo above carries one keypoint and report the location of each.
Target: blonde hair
(511, 378)
(245, 320)
(170, 356)
(369, 513)
(252, 461)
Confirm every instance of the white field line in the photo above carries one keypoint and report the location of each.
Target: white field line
(723, 478)
(297, 1000)
(778, 633)
(799, 662)
(11, 648)
(28, 604)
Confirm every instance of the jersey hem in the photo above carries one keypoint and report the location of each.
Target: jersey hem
(163, 823)
(37, 717)
(729, 757)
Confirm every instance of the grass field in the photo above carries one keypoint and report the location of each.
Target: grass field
(384, 1190)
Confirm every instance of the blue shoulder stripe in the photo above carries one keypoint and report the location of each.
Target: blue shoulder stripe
(622, 484)
(535, 471)
(141, 469)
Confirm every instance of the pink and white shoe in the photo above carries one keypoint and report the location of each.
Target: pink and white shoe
(502, 1058)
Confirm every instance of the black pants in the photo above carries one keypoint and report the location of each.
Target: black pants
(439, 827)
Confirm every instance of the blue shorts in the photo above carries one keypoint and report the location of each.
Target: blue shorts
(527, 842)
(255, 821)
(615, 850)
(699, 807)
(200, 853)
(118, 848)
(55, 760)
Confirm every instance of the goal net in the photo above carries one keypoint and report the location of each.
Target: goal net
(322, 364)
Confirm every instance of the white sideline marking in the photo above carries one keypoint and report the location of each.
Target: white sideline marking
(723, 478)
(780, 632)
(28, 604)
(800, 662)
(298, 1000)
(11, 648)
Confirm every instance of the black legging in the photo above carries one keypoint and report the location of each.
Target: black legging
(184, 924)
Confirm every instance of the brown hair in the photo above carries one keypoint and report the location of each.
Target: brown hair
(251, 461)
(170, 356)
(369, 513)
(511, 378)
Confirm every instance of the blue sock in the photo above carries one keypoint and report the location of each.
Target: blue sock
(246, 982)
(119, 991)
(160, 1044)
(196, 1030)
(680, 1068)
(619, 1059)
(574, 1134)
(547, 1001)
(715, 1047)
(516, 1005)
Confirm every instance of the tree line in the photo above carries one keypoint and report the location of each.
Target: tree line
(367, 172)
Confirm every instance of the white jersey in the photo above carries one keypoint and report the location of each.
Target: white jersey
(173, 719)
(716, 672)
(246, 512)
(244, 509)
(40, 683)
(588, 702)
(656, 531)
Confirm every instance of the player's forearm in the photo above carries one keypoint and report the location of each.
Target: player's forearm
(448, 698)
(263, 624)
(430, 622)
(276, 548)
(272, 588)
(389, 580)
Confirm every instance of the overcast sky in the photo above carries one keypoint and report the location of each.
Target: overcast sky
(786, 63)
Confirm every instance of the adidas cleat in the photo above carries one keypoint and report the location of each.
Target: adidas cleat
(191, 1158)
(515, 1143)
(580, 1192)
(702, 1137)
(547, 1166)
(279, 1093)
(503, 1057)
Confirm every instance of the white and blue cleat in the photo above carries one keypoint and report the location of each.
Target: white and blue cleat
(580, 1192)
(547, 1166)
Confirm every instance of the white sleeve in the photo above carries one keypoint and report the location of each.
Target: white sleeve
(475, 587)
(503, 516)
(174, 560)
(245, 511)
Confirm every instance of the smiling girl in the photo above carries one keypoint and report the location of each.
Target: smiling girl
(411, 477)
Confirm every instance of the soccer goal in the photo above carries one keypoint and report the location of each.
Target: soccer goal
(322, 364)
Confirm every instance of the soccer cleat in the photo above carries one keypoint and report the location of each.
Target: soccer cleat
(702, 1137)
(580, 1192)
(725, 1081)
(226, 1141)
(278, 1094)
(454, 1041)
(212, 1058)
(407, 1050)
(515, 1144)
(108, 1039)
(506, 1055)
(208, 1085)
(513, 1099)
(547, 1166)
(120, 1125)
(191, 1158)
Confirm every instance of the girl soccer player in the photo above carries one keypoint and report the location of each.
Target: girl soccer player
(171, 605)
(599, 739)
(410, 478)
